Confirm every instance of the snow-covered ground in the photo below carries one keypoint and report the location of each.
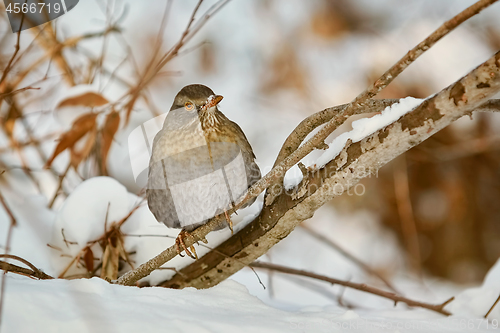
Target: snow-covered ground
(246, 35)
(96, 306)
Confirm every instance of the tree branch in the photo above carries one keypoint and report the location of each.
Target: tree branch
(276, 174)
(308, 125)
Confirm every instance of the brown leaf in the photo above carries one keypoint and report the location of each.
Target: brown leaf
(9, 126)
(130, 105)
(80, 127)
(90, 99)
(88, 257)
(86, 143)
(10, 120)
(108, 132)
(110, 259)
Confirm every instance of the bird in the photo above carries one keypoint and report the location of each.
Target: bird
(201, 163)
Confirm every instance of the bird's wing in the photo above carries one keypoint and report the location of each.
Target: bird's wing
(242, 140)
(252, 169)
(159, 197)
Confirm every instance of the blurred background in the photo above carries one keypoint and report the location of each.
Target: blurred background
(431, 217)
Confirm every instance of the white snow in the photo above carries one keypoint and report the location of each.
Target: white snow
(477, 301)
(364, 127)
(94, 204)
(293, 177)
(97, 306)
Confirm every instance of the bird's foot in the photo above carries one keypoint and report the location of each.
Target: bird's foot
(181, 246)
(232, 206)
(229, 222)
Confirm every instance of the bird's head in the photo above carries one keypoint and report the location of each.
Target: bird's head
(196, 97)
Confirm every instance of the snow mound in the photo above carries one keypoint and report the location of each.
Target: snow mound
(475, 302)
(93, 305)
(96, 306)
(93, 204)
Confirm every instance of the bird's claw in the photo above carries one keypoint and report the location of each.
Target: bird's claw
(229, 222)
(181, 246)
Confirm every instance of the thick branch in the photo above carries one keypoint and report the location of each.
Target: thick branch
(309, 124)
(358, 286)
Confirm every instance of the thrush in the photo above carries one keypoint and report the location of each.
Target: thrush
(201, 164)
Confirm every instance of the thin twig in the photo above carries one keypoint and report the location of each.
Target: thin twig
(492, 307)
(68, 266)
(2, 96)
(358, 286)
(175, 49)
(13, 222)
(150, 72)
(405, 211)
(349, 256)
(35, 272)
(59, 186)
(16, 50)
(10, 268)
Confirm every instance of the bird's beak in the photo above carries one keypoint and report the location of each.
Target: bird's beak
(212, 101)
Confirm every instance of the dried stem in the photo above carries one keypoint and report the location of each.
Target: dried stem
(35, 272)
(16, 50)
(115, 227)
(150, 72)
(349, 256)
(358, 286)
(405, 210)
(492, 307)
(59, 186)
(13, 222)
(2, 96)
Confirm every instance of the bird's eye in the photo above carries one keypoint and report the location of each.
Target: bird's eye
(189, 106)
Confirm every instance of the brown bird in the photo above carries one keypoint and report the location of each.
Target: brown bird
(201, 164)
